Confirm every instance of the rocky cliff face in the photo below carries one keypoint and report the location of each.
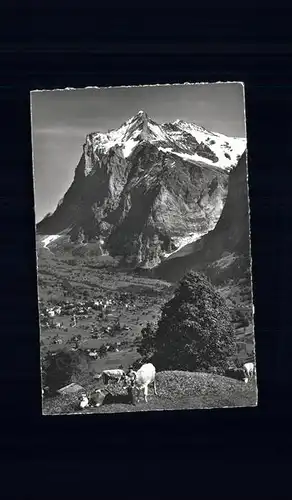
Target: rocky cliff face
(225, 250)
(144, 190)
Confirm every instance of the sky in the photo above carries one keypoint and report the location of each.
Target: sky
(62, 118)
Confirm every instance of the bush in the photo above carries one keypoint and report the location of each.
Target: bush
(195, 331)
(62, 368)
(102, 351)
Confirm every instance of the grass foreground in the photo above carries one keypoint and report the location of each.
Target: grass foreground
(177, 390)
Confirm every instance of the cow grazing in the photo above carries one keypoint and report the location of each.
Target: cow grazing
(116, 375)
(249, 370)
(83, 403)
(141, 379)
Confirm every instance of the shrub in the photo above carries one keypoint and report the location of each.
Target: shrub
(195, 331)
(61, 368)
(102, 351)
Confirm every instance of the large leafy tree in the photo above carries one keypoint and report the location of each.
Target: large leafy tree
(195, 331)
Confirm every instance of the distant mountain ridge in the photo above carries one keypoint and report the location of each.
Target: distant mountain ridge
(144, 190)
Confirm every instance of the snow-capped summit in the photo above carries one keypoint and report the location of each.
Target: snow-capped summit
(126, 137)
(187, 140)
(226, 149)
(138, 118)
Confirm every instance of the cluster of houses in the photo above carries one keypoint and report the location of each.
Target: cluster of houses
(82, 309)
(111, 347)
(51, 316)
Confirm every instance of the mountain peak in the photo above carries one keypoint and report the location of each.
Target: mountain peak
(132, 186)
(140, 116)
(180, 139)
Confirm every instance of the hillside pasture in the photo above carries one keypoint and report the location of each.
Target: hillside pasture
(177, 390)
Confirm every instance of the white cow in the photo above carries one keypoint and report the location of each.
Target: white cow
(116, 375)
(249, 369)
(141, 379)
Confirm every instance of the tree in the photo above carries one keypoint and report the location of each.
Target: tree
(102, 351)
(146, 347)
(195, 331)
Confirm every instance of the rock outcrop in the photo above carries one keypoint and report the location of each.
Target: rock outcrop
(224, 251)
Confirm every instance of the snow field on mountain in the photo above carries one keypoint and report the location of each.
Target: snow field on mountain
(127, 137)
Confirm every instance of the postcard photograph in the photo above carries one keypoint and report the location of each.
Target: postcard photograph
(143, 248)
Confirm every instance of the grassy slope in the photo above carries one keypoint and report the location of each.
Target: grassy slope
(177, 390)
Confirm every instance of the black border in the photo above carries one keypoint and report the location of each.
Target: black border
(114, 47)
